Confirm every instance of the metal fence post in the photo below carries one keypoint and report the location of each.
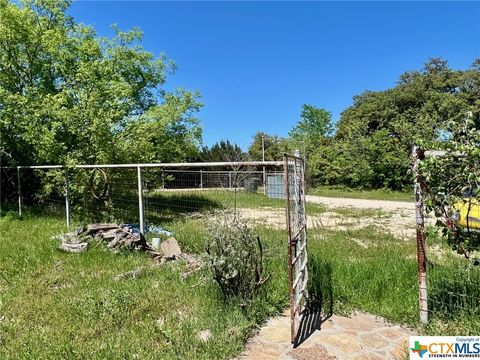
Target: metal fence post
(420, 221)
(264, 181)
(201, 179)
(141, 209)
(67, 200)
(229, 179)
(19, 190)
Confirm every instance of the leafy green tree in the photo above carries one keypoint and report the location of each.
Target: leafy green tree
(275, 147)
(451, 185)
(315, 124)
(69, 96)
(223, 150)
(311, 135)
(167, 132)
(373, 142)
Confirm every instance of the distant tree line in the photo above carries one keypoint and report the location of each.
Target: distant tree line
(374, 137)
(69, 96)
(370, 146)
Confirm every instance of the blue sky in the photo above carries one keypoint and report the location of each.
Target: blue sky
(256, 63)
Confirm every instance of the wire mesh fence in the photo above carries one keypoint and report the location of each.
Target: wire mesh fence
(105, 195)
(36, 189)
(450, 255)
(177, 194)
(147, 195)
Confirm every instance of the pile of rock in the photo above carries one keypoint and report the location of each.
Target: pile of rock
(127, 236)
(169, 250)
(115, 236)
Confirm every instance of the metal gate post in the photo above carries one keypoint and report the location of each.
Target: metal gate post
(290, 257)
(19, 191)
(297, 238)
(420, 220)
(141, 209)
(67, 200)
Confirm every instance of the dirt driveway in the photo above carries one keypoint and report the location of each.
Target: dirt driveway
(384, 205)
(395, 217)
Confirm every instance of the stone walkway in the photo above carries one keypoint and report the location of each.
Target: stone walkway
(361, 336)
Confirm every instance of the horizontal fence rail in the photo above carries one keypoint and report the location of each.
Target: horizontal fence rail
(154, 165)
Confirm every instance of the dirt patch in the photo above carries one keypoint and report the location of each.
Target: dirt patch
(384, 205)
(399, 224)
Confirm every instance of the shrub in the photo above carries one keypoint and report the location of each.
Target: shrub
(236, 258)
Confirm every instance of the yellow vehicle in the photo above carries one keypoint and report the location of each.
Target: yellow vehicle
(467, 211)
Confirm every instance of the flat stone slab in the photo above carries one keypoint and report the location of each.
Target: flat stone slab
(170, 248)
(361, 336)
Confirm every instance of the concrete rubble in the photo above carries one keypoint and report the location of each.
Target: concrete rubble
(126, 237)
(115, 236)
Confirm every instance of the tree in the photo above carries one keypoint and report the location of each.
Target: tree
(312, 135)
(275, 147)
(446, 180)
(373, 142)
(314, 125)
(69, 96)
(223, 150)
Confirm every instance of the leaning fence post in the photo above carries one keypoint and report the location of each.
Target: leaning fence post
(420, 221)
(140, 200)
(67, 200)
(19, 190)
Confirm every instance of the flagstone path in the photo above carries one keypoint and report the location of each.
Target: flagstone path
(361, 336)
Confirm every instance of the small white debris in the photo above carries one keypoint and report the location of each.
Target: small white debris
(160, 321)
(73, 248)
(204, 335)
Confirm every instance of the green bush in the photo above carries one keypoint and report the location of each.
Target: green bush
(236, 257)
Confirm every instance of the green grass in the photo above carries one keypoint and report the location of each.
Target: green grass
(192, 201)
(377, 277)
(382, 194)
(377, 273)
(57, 305)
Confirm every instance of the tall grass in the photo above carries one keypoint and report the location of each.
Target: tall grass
(377, 273)
(57, 305)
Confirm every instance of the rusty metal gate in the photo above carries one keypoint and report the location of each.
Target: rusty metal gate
(297, 237)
